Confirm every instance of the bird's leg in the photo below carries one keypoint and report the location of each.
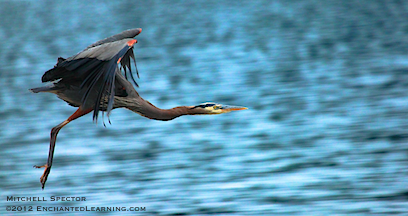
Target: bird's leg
(54, 133)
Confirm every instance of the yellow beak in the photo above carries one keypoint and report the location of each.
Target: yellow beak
(226, 108)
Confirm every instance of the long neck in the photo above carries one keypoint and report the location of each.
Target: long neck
(148, 110)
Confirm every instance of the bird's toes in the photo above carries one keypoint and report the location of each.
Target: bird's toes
(36, 166)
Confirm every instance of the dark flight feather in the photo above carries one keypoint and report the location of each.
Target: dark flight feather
(96, 68)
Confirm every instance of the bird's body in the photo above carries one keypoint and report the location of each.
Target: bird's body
(71, 92)
(100, 79)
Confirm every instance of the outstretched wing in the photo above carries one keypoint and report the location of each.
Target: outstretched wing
(96, 68)
(59, 72)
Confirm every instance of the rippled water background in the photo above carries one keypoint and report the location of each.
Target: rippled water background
(326, 84)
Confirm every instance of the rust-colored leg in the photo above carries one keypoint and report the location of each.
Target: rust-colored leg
(54, 133)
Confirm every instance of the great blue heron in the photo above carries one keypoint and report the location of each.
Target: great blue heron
(92, 80)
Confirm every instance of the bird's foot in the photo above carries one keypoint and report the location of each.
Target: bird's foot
(36, 166)
(44, 176)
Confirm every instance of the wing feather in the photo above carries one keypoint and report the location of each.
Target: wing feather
(131, 33)
(100, 82)
(96, 67)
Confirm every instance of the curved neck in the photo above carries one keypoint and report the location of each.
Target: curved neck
(148, 110)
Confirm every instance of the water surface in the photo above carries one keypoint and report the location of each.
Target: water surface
(325, 83)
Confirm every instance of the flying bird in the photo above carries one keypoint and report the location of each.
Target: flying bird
(100, 78)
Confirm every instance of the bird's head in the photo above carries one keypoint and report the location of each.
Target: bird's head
(210, 108)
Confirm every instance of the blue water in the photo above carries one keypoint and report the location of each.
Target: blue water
(325, 134)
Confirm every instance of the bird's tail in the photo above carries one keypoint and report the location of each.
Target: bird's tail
(43, 89)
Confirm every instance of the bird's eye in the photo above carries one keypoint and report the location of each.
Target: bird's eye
(216, 107)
